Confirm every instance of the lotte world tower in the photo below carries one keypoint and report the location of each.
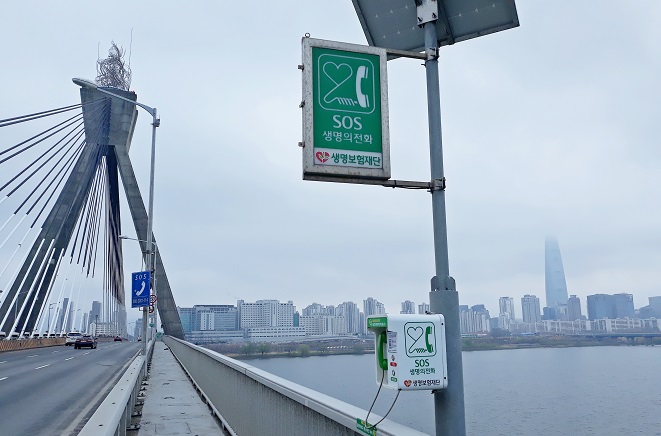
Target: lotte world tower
(556, 286)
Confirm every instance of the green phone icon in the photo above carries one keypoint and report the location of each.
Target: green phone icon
(428, 332)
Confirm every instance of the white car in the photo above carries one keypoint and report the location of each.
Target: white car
(71, 338)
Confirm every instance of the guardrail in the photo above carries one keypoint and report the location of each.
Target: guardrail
(114, 414)
(250, 401)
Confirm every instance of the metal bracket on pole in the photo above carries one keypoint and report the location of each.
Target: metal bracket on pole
(431, 53)
(406, 184)
(437, 185)
(427, 10)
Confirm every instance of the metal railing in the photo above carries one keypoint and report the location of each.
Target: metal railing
(114, 414)
(250, 401)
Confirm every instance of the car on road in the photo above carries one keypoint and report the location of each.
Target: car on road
(118, 339)
(85, 341)
(71, 338)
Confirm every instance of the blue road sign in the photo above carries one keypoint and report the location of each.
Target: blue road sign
(140, 289)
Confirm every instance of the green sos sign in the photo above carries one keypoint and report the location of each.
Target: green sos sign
(345, 122)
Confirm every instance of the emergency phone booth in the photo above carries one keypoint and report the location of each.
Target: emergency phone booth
(410, 351)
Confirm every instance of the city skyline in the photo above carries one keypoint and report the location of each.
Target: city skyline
(272, 320)
(514, 305)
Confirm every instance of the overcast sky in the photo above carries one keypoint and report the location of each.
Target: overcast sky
(548, 129)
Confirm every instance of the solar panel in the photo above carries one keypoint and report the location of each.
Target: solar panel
(394, 23)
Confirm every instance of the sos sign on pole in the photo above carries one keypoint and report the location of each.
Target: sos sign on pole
(140, 288)
(345, 110)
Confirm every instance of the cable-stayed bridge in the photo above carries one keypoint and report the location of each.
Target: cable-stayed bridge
(62, 172)
(60, 212)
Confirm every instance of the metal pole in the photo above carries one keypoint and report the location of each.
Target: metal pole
(448, 403)
(150, 226)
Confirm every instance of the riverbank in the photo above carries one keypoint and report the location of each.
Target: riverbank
(347, 347)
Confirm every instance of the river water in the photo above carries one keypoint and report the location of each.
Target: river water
(542, 391)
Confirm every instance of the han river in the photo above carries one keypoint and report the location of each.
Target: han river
(545, 391)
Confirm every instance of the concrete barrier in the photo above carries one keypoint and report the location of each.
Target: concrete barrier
(249, 401)
(113, 417)
(23, 344)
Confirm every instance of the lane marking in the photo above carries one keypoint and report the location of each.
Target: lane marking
(3, 378)
(56, 351)
(86, 353)
(69, 358)
(34, 355)
(4, 361)
(42, 366)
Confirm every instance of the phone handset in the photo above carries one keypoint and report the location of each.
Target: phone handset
(383, 361)
(363, 100)
(430, 347)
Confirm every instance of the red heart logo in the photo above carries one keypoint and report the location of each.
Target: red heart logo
(407, 383)
(323, 156)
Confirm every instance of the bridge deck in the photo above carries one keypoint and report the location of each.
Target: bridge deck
(172, 405)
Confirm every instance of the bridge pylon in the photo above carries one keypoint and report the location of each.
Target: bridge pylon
(117, 135)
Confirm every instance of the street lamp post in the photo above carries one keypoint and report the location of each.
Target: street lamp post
(426, 27)
(150, 215)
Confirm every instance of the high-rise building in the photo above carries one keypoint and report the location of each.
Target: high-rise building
(554, 274)
(623, 305)
(530, 309)
(506, 312)
(265, 313)
(373, 307)
(225, 317)
(206, 320)
(655, 305)
(349, 310)
(652, 310)
(474, 320)
(408, 307)
(423, 308)
(618, 306)
(313, 309)
(574, 308)
(549, 313)
(69, 317)
(62, 315)
(95, 314)
(187, 317)
(600, 306)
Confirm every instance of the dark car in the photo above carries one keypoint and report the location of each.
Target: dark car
(118, 339)
(85, 341)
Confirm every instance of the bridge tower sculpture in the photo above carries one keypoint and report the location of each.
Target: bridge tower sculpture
(106, 141)
(121, 124)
